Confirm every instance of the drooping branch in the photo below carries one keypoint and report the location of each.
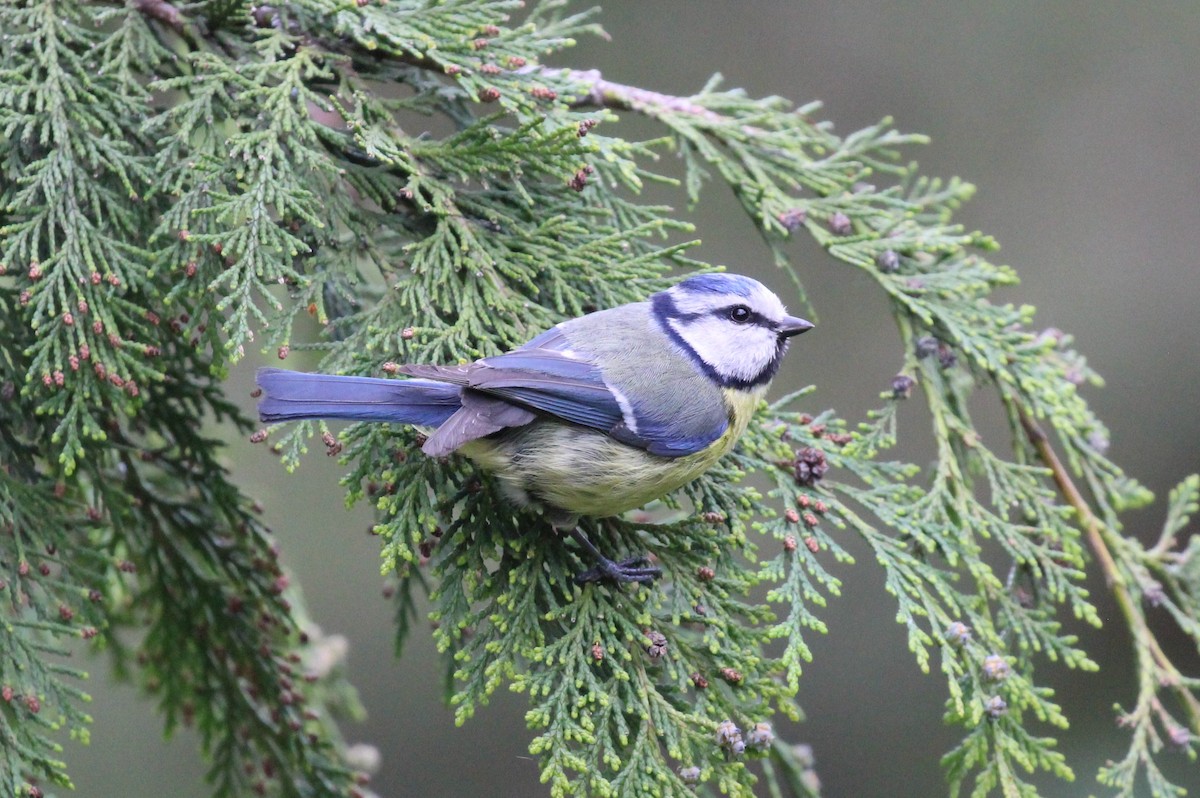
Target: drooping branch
(596, 91)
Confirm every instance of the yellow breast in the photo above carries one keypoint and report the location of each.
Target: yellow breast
(585, 472)
(741, 406)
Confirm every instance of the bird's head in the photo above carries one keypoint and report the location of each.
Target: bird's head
(732, 326)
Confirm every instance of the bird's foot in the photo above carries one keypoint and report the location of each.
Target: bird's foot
(634, 569)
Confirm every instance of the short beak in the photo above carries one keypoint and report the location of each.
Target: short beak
(792, 325)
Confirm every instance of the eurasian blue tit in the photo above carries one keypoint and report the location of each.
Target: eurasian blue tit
(599, 415)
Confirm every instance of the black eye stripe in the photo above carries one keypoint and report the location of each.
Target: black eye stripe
(754, 318)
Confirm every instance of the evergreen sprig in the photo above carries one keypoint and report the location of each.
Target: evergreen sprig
(179, 181)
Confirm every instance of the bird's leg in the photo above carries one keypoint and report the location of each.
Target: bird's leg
(634, 569)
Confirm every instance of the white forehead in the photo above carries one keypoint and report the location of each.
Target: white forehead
(703, 294)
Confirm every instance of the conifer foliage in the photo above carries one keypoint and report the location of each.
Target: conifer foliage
(181, 181)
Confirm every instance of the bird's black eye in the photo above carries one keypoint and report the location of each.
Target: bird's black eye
(739, 314)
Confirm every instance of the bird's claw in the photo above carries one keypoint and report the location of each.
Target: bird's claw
(634, 569)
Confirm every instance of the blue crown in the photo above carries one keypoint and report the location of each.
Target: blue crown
(720, 284)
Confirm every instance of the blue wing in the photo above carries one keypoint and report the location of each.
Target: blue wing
(552, 379)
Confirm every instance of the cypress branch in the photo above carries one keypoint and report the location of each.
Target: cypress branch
(180, 181)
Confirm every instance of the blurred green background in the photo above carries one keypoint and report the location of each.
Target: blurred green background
(1080, 124)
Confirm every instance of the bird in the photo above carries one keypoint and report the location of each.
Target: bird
(597, 416)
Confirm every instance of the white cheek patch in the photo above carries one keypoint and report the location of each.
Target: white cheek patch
(739, 352)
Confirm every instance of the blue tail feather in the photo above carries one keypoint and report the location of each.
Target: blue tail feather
(292, 395)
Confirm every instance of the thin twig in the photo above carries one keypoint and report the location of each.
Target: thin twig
(603, 93)
(1093, 530)
(1091, 524)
